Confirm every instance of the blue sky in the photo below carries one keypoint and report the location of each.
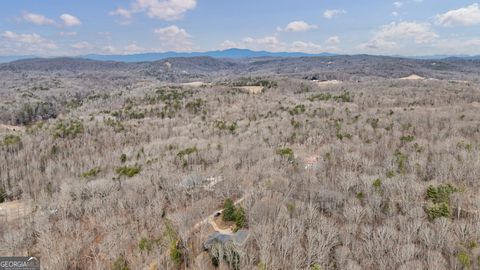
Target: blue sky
(403, 27)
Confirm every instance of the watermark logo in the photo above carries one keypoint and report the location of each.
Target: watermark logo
(19, 263)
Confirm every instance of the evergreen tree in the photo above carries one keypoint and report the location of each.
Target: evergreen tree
(240, 218)
(228, 210)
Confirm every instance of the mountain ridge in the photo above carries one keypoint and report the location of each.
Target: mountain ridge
(233, 53)
(229, 53)
(340, 67)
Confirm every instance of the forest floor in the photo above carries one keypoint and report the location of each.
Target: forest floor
(15, 210)
(252, 89)
(5, 128)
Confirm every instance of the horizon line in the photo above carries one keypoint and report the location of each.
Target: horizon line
(305, 54)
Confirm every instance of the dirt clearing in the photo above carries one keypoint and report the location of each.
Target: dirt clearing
(195, 84)
(12, 211)
(413, 77)
(7, 128)
(252, 89)
(326, 83)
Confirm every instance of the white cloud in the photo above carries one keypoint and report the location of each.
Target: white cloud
(109, 49)
(164, 9)
(389, 37)
(466, 16)
(379, 45)
(228, 44)
(455, 46)
(14, 43)
(395, 14)
(397, 4)
(70, 20)
(334, 40)
(447, 46)
(133, 48)
(68, 34)
(37, 19)
(174, 38)
(28, 39)
(298, 26)
(331, 13)
(125, 13)
(419, 32)
(270, 43)
(82, 45)
(307, 47)
(129, 49)
(172, 31)
(273, 44)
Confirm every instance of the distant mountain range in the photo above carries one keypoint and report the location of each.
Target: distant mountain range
(229, 53)
(442, 57)
(6, 59)
(201, 68)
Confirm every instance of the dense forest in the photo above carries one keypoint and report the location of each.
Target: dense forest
(152, 166)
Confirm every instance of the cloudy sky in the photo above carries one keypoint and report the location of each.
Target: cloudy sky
(404, 27)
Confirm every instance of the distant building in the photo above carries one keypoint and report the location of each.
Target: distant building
(311, 162)
(191, 182)
(239, 238)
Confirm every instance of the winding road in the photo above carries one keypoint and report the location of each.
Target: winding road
(211, 220)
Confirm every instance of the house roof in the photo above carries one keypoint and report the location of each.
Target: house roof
(192, 181)
(237, 238)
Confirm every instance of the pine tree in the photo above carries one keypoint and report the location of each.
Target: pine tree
(240, 218)
(228, 210)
